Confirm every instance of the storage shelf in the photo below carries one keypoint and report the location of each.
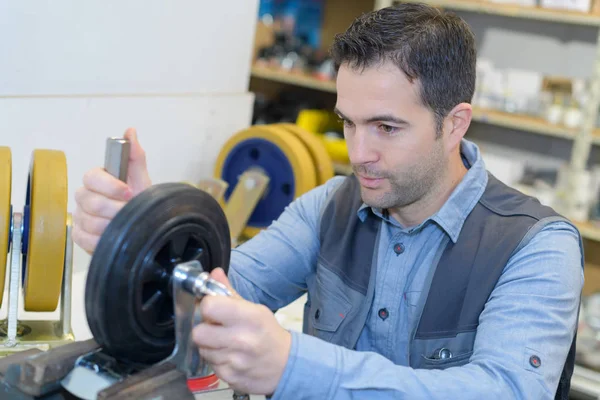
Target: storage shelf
(527, 123)
(588, 230)
(296, 79)
(516, 11)
(492, 117)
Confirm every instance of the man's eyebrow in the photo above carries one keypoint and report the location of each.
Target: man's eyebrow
(387, 118)
(340, 114)
(376, 118)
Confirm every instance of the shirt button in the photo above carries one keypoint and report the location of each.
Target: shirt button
(317, 313)
(383, 313)
(535, 361)
(398, 248)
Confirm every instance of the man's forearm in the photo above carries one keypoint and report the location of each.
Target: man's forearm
(320, 370)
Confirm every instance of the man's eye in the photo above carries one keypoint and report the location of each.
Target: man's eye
(387, 128)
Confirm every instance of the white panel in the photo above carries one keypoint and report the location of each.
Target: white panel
(131, 46)
(182, 135)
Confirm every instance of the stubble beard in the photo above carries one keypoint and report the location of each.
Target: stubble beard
(407, 186)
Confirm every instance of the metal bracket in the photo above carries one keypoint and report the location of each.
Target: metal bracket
(250, 188)
(216, 188)
(190, 284)
(41, 334)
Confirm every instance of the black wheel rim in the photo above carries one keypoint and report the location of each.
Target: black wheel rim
(154, 289)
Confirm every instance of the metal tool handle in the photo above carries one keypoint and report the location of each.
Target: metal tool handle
(116, 159)
(190, 284)
(204, 285)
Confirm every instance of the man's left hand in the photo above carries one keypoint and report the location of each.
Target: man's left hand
(243, 342)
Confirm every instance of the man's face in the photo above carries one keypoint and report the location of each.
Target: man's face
(390, 134)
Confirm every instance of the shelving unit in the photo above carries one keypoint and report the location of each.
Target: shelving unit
(510, 10)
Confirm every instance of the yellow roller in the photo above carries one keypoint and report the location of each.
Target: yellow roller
(336, 148)
(5, 214)
(45, 255)
(294, 150)
(318, 152)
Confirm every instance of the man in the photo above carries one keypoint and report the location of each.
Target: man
(427, 278)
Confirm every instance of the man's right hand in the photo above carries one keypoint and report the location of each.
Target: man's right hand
(102, 196)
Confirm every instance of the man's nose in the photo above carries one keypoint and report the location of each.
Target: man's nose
(361, 150)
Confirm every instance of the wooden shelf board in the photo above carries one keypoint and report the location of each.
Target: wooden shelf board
(526, 123)
(296, 79)
(517, 11)
(588, 230)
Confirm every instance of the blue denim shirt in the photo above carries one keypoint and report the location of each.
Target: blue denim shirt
(532, 310)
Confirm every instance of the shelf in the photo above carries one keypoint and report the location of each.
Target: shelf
(585, 382)
(588, 230)
(527, 123)
(492, 117)
(516, 11)
(296, 79)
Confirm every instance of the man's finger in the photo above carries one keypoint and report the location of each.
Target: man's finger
(210, 336)
(215, 357)
(89, 223)
(99, 181)
(84, 240)
(226, 310)
(138, 178)
(96, 204)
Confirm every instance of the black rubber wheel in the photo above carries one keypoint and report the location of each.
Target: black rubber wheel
(128, 294)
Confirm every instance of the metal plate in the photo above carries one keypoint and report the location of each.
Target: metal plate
(317, 150)
(44, 233)
(5, 211)
(278, 154)
(128, 294)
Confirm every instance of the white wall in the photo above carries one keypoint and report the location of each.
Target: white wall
(73, 73)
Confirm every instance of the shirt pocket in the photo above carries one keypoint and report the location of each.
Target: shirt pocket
(454, 361)
(457, 350)
(329, 309)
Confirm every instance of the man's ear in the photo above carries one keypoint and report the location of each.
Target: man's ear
(457, 123)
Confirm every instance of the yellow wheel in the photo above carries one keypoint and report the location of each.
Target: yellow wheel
(318, 152)
(336, 148)
(277, 153)
(44, 233)
(5, 211)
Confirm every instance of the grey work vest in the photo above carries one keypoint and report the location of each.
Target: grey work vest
(343, 286)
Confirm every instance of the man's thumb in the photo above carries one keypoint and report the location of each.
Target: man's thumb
(218, 274)
(138, 178)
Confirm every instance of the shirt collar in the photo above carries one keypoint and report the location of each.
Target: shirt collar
(454, 212)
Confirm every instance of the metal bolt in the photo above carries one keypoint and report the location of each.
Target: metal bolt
(250, 184)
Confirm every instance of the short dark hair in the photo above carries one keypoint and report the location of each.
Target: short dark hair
(434, 47)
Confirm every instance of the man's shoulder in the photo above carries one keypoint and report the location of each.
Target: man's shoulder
(555, 242)
(317, 197)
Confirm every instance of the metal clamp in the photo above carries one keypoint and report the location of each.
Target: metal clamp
(205, 285)
(190, 284)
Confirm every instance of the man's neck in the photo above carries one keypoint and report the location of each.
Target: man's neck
(419, 211)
